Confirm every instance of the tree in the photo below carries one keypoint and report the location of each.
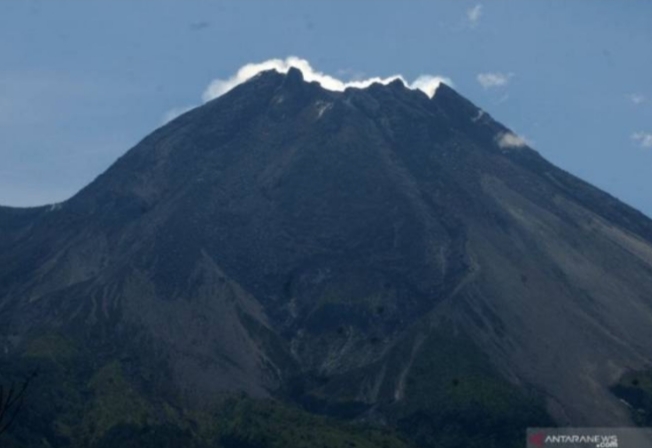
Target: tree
(11, 401)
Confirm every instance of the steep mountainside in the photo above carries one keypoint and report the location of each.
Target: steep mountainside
(373, 255)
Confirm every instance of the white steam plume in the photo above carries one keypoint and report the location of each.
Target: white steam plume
(426, 83)
(218, 87)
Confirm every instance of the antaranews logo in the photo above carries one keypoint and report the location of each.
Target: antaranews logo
(537, 439)
(589, 437)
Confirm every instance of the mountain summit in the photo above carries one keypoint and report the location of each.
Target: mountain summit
(373, 255)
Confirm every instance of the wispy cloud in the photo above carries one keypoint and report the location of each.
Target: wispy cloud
(495, 79)
(507, 140)
(473, 15)
(426, 83)
(637, 98)
(643, 139)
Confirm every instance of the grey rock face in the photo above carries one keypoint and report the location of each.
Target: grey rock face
(283, 234)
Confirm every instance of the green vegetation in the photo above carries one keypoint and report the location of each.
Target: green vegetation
(454, 398)
(51, 346)
(72, 405)
(115, 402)
(269, 424)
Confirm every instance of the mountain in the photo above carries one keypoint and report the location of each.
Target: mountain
(373, 265)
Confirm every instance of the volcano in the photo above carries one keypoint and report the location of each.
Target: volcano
(373, 265)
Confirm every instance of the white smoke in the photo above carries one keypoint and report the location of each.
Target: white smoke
(426, 83)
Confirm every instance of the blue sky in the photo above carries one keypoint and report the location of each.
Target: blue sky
(82, 82)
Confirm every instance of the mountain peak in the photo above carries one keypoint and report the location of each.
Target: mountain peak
(291, 240)
(396, 84)
(294, 75)
(300, 69)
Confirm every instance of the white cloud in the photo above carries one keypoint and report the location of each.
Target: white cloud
(218, 87)
(474, 14)
(489, 80)
(637, 98)
(511, 140)
(426, 83)
(174, 113)
(644, 139)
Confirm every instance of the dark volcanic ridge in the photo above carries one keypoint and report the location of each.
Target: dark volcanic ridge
(373, 254)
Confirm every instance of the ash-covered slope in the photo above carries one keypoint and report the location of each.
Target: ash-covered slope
(370, 253)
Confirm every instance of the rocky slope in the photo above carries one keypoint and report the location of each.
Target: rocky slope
(373, 255)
